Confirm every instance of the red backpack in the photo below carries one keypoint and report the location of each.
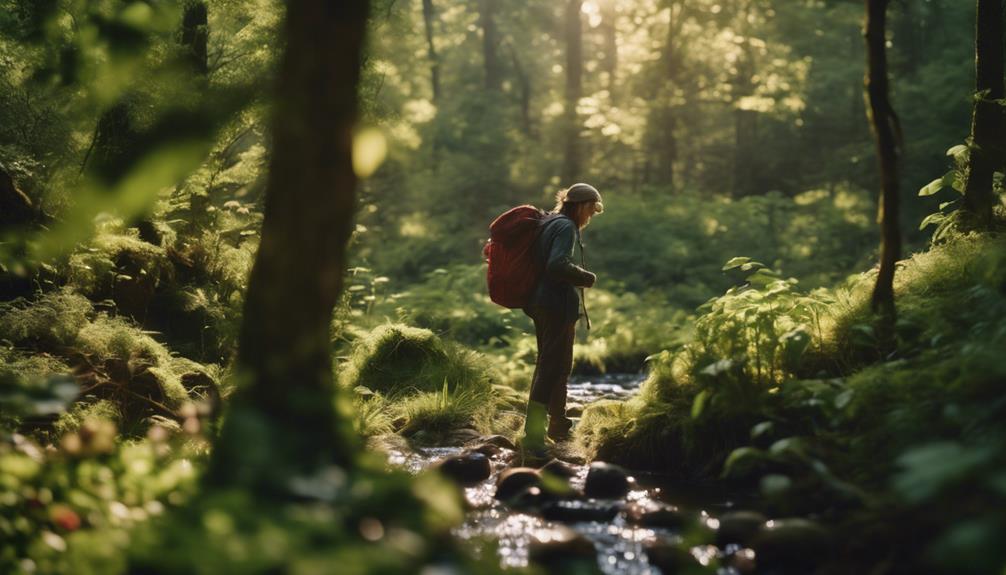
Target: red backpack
(512, 272)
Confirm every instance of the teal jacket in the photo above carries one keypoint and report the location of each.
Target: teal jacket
(555, 292)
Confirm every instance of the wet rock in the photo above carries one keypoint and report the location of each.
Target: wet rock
(662, 516)
(466, 469)
(514, 480)
(574, 410)
(487, 449)
(575, 511)
(530, 500)
(670, 558)
(462, 436)
(498, 441)
(564, 550)
(559, 468)
(606, 481)
(739, 527)
(791, 544)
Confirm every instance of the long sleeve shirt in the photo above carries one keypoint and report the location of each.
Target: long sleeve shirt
(556, 291)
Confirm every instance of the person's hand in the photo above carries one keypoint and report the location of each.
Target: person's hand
(591, 278)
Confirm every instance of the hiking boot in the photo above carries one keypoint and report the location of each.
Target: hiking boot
(559, 429)
(534, 427)
(559, 436)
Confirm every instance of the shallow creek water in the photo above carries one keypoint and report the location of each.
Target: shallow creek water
(620, 546)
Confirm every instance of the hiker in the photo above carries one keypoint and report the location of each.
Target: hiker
(555, 305)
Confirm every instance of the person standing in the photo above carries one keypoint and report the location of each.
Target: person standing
(555, 307)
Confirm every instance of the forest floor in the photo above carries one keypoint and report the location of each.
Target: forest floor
(776, 400)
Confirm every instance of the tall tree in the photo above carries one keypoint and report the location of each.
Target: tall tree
(490, 44)
(431, 49)
(988, 138)
(571, 165)
(666, 114)
(887, 132)
(195, 35)
(746, 146)
(524, 83)
(609, 27)
(283, 420)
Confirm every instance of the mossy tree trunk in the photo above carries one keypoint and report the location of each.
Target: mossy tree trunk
(283, 422)
(572, 159)
(988, 133)
(888, 136)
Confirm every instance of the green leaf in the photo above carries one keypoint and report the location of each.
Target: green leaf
(700, 403)
(957, 150)
(933, 218)
(775, 485)
(842, 400)
(932, 187)
(735, 263)
(762, 277)
(763, 428)
(743, 460)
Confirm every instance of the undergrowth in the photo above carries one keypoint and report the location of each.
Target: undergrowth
(787, 392)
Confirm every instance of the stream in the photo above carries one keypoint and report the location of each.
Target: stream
(621, 547)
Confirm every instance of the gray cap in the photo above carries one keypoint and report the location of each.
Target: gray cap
(584, 193)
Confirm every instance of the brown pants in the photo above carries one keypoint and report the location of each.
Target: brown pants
(553, 366)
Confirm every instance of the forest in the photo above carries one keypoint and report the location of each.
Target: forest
(248, 318)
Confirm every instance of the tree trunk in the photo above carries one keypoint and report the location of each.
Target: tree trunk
(988, 140)
(609, 19)
(574, 91)
(490, 45)
(283, 421)
(16, 209)
(907, 37)
(667, 117)
(887, 131)
(525, 93)
(745, 121)
(195, 35)
(431, 49)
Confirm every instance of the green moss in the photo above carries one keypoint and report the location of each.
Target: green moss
(92, 270)
(115, 338)
(943, 294)
(81, 412)
(50, 323)
(397, 359)
(25, 366)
